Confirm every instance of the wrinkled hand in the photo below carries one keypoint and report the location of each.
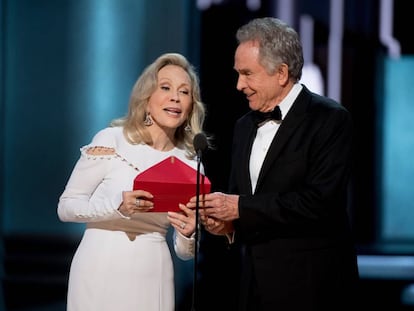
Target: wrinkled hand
(217, 227)
(217, 205)
(183, 222)
(135, 201)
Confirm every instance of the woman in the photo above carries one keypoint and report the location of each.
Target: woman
(123, 261)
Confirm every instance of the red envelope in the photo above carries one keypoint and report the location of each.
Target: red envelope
(171, 181)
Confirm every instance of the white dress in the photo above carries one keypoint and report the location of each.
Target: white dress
(122, 263)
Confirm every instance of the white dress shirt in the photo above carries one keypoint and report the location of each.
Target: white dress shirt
(265, 134)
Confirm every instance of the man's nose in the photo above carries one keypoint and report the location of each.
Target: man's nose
(240, 84)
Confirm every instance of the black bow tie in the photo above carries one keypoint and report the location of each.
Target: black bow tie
(261, 117)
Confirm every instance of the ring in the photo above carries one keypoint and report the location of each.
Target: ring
(137, 202)
(182, 225)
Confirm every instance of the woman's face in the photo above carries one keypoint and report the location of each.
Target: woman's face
(171, 102)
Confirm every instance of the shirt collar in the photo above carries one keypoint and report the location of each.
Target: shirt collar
(288, 101)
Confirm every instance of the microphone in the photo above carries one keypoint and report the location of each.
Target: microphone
(200, 144)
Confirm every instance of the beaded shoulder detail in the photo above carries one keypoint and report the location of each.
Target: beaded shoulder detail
(100, 153)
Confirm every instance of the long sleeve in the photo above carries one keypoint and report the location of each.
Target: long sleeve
(184, 247)
(80, 202)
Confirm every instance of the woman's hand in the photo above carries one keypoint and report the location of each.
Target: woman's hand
(183, 222)
(135, 202)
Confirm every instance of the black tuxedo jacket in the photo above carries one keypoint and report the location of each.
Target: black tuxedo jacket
(295, 230)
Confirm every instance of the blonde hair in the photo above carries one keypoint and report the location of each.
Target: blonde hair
(133, 122)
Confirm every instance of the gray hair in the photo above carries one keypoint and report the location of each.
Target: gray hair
(278, 43)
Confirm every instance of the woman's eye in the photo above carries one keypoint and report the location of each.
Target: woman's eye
(184, 92)
(165, 88)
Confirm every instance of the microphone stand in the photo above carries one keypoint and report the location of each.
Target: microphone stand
(197, 231)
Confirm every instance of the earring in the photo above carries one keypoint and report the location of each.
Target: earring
(188, 128)
(148, 120)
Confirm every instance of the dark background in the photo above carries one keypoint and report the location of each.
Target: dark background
(67, 68)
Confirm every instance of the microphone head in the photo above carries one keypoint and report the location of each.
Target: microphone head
(200, 142)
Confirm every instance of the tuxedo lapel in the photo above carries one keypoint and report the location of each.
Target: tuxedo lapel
(290, 123)
(245, 143)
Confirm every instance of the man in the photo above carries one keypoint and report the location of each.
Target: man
(287, 201)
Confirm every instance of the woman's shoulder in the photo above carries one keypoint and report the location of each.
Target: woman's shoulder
(111, 131)
(108, 136)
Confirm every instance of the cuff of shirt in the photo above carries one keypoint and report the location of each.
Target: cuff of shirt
(230, 237)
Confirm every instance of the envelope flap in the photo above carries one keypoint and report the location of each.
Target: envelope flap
(171, 170)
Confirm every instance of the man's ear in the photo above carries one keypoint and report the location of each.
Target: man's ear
(283, 73)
